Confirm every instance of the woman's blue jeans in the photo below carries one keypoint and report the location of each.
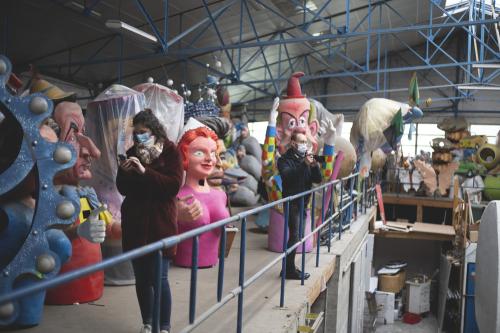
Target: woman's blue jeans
(145, 275)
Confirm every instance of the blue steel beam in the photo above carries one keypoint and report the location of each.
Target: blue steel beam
(462, 26)
(206, 21)
(103, 46)
(373, 72)
(352, 62)
(88, 8)
(219, 35)
(149, 19)
(305, 9)
(198, 51)
(426, 37)
(200, 64)
(432, 67)
(165, 20)
(318, 13)
(444, 39)
(250, 61)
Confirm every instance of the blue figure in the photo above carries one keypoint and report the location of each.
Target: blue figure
(32, 209)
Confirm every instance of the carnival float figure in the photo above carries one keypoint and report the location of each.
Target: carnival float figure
(33, 209)
(88, 231)
(293, 113)
(380, 124)
(198, 147)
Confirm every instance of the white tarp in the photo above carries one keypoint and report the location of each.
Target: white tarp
(167, 106)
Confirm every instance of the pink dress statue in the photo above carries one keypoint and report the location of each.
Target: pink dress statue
(213, 204)
(198, 148)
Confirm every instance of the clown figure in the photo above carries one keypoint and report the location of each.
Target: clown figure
(293, 114)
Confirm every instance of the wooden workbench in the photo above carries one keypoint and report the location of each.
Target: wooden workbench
(419, 230)
(419, 202)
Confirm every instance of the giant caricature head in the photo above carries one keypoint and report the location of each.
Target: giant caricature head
(69, 118)
(296, 114)
(198, 148)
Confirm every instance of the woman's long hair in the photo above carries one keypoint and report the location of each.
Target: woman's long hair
(149, 120)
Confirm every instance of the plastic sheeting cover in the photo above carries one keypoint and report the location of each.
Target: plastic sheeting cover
(167, 106)
(109, 124)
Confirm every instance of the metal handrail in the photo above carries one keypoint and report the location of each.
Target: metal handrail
(343, 211)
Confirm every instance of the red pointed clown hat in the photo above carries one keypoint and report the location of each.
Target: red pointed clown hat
(294, 99)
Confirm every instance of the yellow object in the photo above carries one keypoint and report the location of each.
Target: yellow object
(488, 155)
(392, 283)
(473, 141)
(51, 91)
(85, 211)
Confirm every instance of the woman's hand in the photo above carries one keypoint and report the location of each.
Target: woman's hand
(136, 165)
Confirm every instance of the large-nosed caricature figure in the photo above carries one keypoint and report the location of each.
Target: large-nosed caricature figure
(89, 229)
(293, 113)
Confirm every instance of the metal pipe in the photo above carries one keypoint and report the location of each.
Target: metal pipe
(222, 255)
(161, 244)
(241, 279)
(157, 292)
(302, 225)
(283, 263)
(194, 279)
(313, 209)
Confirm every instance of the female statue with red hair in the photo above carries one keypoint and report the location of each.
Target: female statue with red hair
(198, 146)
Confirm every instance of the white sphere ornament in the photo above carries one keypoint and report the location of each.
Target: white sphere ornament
(38, 105)
(175, 91)
(188, 93)
(150, 80)
(218, 64)
(208, 65)
(3, 67)
(6, 310)
(170, 82)
(65, 209)
(182, 85)
(62, 155)
(45, 263)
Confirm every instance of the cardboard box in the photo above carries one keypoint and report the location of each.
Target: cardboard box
(385, 304)
(392, 283)
(418, 300)
(473, 232)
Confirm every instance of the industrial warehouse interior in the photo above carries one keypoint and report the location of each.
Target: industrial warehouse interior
(257, 166)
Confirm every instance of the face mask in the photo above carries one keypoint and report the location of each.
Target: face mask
(144, 138)
(302, 148)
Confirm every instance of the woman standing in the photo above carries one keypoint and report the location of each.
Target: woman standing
(149, 177)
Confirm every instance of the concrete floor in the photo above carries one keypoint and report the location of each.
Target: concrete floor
(427, 325)
(118, 311)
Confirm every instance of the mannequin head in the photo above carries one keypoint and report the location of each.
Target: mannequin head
(198, 148)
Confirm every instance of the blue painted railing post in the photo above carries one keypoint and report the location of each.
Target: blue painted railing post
(157, 293)
(313, 224)
(283, 261)
(341, 207)
(222, 255)
(241, 279)
(365, 180)
(194, 277)
(330, 222)
(302, 227)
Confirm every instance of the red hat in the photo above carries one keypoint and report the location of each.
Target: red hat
(293, 89)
